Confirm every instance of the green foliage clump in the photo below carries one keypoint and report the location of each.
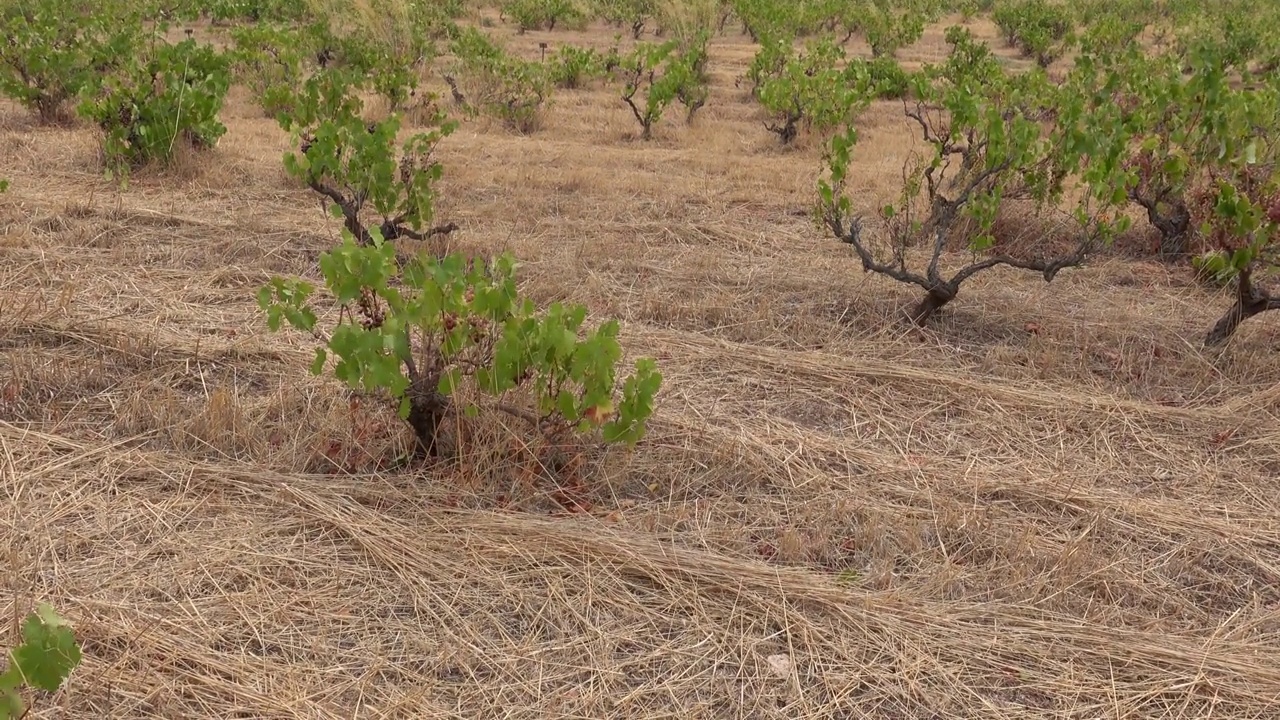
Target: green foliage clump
(46, 657)
(634, 14)
(1194, 133)
(655, 75)
(816, 90)
(1110, 33)
(497, 84)
(171, 94)
(889, 81)
(992, 137)
(763, 19)
(769, 61)
(55, 49)
(542, 14)
(1239, 34)
(391, 42)
(392, 61)
(970, 9)
(888, 30)
(270, 61)
(425, 329)
(356, 164)
(1039, 28)
(254, 10)
(404, 29)
(572, 66)
(1207, 162)
(886, 25)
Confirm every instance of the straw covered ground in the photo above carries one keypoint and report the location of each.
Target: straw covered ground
(1051, 503)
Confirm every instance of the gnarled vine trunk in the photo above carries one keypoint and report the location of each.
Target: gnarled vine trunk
(932, 302)
(1173, 220)
(1250, 301)
(427, 407)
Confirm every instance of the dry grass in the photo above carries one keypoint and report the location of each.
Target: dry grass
(1052, 504)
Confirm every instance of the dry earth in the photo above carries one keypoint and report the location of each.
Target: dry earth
(1053, 503)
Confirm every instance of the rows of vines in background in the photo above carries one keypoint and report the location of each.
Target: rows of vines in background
(1169, 127)
(1185, 135)
(991, 138)
(1041, 29)
(1203, 113)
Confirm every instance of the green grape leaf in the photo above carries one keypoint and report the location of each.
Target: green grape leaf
(49, 652)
